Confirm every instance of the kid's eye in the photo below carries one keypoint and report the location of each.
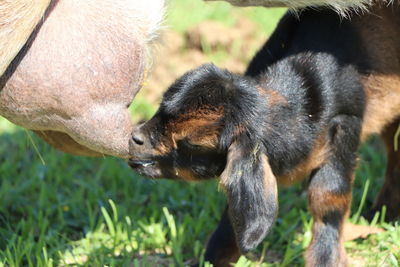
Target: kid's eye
(186, 144)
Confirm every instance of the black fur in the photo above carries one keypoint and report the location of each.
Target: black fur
(314, 63)
(253, 204)
(222, 244)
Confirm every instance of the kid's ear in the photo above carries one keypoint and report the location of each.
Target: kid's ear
(251, 191)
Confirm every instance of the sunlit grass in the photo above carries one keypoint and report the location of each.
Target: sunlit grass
(96, 212)
(184, 14)
(74, 211)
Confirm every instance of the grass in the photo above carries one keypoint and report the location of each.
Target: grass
(61, 210)
(184, 14)
(74, 211)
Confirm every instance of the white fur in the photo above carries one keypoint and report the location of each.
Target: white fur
(340, 5)
(149, 15)
(146, 17)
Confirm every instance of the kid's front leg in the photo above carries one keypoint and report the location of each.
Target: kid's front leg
(222, 250)
(329, 194)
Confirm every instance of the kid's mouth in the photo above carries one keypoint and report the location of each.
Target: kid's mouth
(142, 163)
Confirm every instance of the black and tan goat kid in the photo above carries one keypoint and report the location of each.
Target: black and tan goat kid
(318, 88)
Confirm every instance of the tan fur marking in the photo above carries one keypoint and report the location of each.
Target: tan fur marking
(322, 202)
(316, 158)
(274, 98)
(383, 102)
(164, 147)
(199, 126)
(270, 183)
(185, 174)
(380, 39)
(233, 154)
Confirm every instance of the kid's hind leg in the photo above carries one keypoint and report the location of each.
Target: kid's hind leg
(329, 194)
(389, 195)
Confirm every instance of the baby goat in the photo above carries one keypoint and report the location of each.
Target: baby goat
(318, 88)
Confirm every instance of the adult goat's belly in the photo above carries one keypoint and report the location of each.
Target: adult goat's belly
(81, 70)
